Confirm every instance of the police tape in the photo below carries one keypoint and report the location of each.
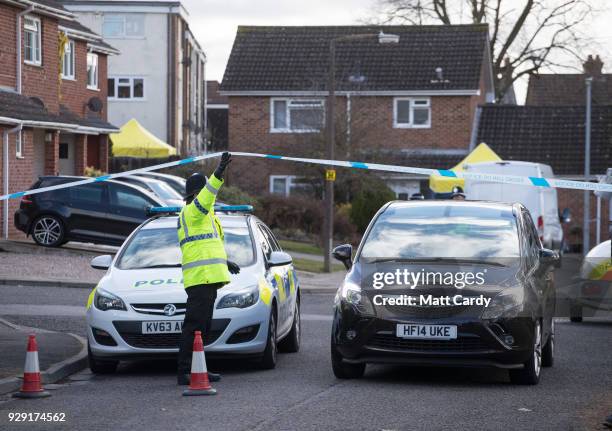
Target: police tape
(494, 178)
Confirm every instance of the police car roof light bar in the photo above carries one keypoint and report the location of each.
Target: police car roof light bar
(234, 208)
(157, 211)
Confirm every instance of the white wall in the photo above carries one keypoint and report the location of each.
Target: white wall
(140, 57)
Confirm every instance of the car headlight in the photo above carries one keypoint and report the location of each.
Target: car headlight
(350, 292)
(507, 303)
(107, 301)
(242, 299)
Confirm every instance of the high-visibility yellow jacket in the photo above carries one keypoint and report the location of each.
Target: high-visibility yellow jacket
(201, 239)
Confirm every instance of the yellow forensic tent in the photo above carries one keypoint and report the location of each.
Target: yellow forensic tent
(482, 153)
(135, 141)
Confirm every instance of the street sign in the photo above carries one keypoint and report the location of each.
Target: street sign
(330, 175)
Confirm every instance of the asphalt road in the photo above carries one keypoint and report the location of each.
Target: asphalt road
(302, 393)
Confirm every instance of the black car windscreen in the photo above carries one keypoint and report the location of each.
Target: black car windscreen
(448, 232)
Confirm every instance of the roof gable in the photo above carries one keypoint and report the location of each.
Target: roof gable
(296, 59)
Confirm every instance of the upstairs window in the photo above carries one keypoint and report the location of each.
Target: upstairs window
(411, 112)
(68, 60)
(126, 88)
(297, 115)
(127, 25)
(32, 41)
(92, 71)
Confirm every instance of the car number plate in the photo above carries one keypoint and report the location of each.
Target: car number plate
(429, 332)
(162, 327)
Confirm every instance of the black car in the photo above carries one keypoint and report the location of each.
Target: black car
(481, 287)
(100, 212)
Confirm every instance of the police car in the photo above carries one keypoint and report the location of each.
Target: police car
(137, 309)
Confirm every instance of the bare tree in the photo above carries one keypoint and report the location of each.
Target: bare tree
(526, 35)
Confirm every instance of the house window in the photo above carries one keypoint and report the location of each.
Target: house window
(411, 112)
(297, 115)
(281, 184)
(63, 150)
(19, 145)
(32, 41)
(126, 88)
(68, 61)
(129, 25)
(92, 71)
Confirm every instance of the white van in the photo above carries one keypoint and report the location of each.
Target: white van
(540, 201)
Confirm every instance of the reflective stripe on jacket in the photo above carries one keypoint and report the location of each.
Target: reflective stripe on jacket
(201, 239)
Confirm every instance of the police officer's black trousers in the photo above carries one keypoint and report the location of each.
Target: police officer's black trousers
(198, 317)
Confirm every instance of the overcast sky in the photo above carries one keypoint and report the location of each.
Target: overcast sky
(214, 23)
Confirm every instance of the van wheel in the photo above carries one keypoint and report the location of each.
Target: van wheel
(575, 313)
(530, 374)
(268, 361)
(291, 343)
(98, 366)
(48, 231)
(343, 370)
(548, 352)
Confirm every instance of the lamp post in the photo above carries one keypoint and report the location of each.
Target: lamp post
(331, 131)
(586, 231)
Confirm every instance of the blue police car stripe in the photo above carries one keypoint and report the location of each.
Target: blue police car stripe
(447, 173)
(199, 206)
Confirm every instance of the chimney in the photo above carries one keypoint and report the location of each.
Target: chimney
(593, 66)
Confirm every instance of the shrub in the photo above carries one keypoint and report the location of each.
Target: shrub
(291, 213)
(234, 196)
(367, 201)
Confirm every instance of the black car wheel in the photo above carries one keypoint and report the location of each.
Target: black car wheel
(343, 370)
(268, 361)
(548, 352)
(291, 343)
(48, 231)
(98, 366)
(575, 313)
(530, 374)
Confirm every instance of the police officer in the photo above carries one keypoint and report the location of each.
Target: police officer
(205, 265)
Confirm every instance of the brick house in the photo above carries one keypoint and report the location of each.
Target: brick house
(52, 97)
(411, 102)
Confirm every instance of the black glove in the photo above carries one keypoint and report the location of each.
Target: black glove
(232, 267)
(226, 158)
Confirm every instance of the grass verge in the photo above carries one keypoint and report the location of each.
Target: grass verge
(300, 247)
(313, 265)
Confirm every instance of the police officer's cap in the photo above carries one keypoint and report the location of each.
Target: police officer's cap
(195, 183)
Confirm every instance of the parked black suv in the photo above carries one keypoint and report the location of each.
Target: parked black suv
(100, 212)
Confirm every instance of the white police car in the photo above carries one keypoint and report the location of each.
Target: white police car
(138, 307)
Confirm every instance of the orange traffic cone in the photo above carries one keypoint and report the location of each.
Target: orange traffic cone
(199, 384)
(31, 387)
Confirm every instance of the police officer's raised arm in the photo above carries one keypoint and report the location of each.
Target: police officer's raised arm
(207, 196)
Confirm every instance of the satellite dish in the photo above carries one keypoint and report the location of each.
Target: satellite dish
(38, 102)
(95, 104)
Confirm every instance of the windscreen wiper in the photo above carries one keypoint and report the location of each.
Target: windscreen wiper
(435, 259)
(163, 265)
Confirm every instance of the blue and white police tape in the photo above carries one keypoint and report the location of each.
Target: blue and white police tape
(494, 178)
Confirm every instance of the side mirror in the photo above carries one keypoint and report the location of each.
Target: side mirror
(102, 262)
(548, 257)
(279, 258)
(566, 216)
(343, 253)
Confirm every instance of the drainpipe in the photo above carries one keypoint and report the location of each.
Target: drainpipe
(18, 72)
(5, 172)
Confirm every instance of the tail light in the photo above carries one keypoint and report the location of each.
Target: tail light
(25, 201)
(541, 227)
